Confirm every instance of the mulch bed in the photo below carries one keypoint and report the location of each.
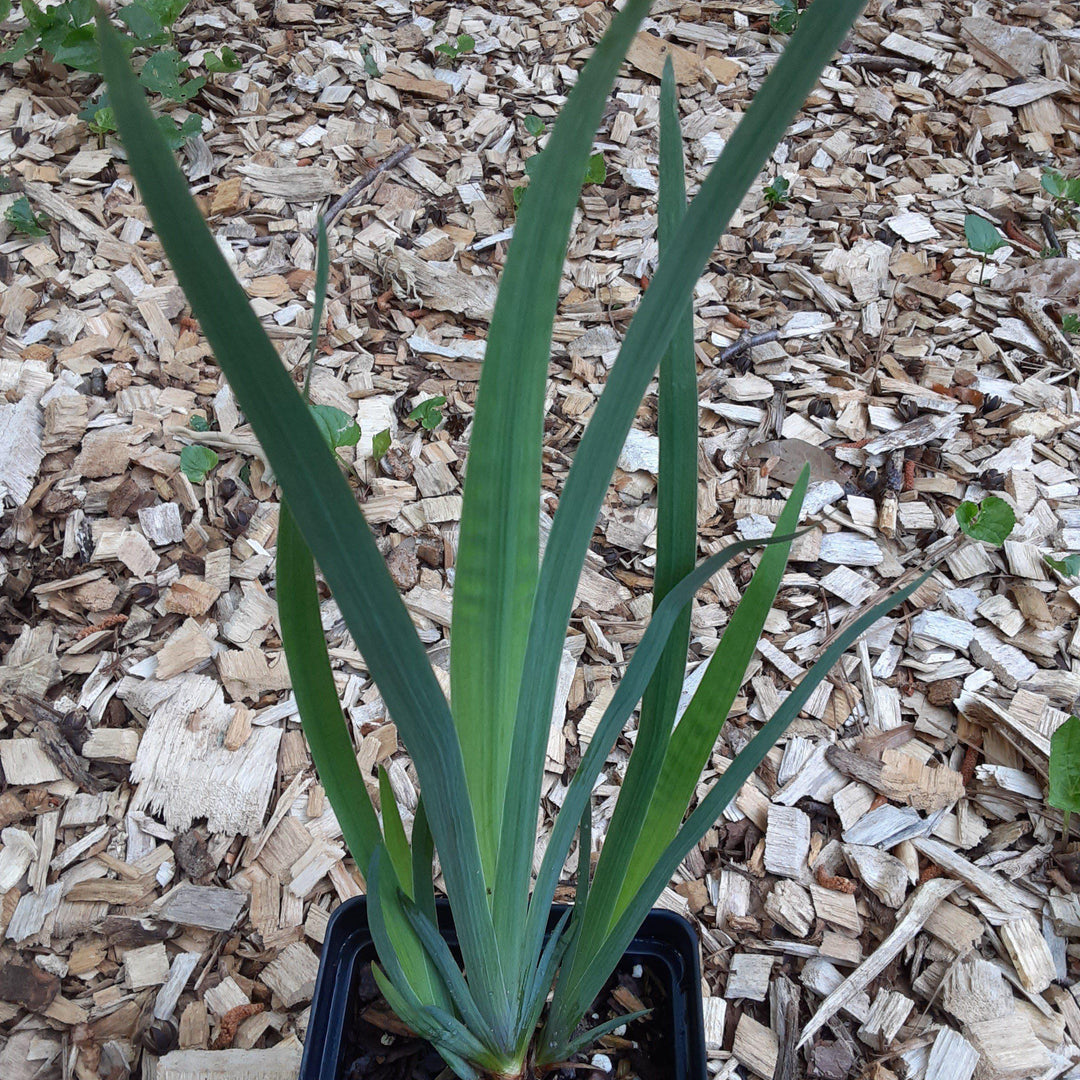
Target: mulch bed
(891, 881)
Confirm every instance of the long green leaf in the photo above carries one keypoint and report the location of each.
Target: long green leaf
(535, 997)
(676, 503)
(327, 733)
(659, 810)
(498, 552)
(453, 1046)
(464, 1002)
(324, 509)
(676, 539)
(322, 278)
(775, 105)
(423, 850)
(397, 843)
(591, 1035)
(574, 995)
(666, 786)
(627, 693)
(399, 947)
(316, 695)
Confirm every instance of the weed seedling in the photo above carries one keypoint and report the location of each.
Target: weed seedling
(990, 520)
(65, 32)
(1067, 567)
(22, 218)
(982, 237)
(1065, 770)
(102, 123)
(338, 428)
(786, 19)
(197, 462)
(1070, 323)
(776, 193)
(596, 173)
(1065, 191)
(380, 444)
(222, 63)
(370, 66)
(429, 413)
(453, 50)
(535, 126)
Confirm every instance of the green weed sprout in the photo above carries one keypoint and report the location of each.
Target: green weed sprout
(513, 1007)
(1065, 193)
(1065, 771)
(991, 520)
(982, 236)
(785, 20)
(66, 33)
(776, 193)
(452, 50)
(21, 217)
(429, 413)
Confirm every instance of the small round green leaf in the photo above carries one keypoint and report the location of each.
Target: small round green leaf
(196, 462)
(1053, 183)
(1067, 567)
(22, 218)
(338, 428)
(380, 444)
(534, 126)
(596, 173)
(981, 235)
(1065, 767)
(429, 413)
(226, 62)
(991, 520)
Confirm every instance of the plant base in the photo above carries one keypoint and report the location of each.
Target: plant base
(352, 1035)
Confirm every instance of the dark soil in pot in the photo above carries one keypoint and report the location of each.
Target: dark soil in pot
(377, 1046)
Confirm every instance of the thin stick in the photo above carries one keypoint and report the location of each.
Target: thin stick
(745, 344)
(1051, 235)
(339, 207)
(871, 375)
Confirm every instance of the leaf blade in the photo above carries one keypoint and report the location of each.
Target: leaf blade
(567, 1000)
(676, 538)
(499, 543)
(991, 521)
(694, 738)
(821, 30)
(1065, 767)
(316, 695)
(324, 509)
(395, 841)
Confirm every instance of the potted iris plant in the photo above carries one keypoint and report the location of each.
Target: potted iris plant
(497, 982)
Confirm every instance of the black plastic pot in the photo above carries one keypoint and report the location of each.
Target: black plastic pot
(666, 945)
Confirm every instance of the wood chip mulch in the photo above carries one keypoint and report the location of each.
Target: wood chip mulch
(889, 896)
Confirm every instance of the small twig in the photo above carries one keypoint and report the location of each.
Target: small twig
(745, 343)
(871, 375)
(1052, 241)
(873, 62)
(1014, 232)
(340, 205)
